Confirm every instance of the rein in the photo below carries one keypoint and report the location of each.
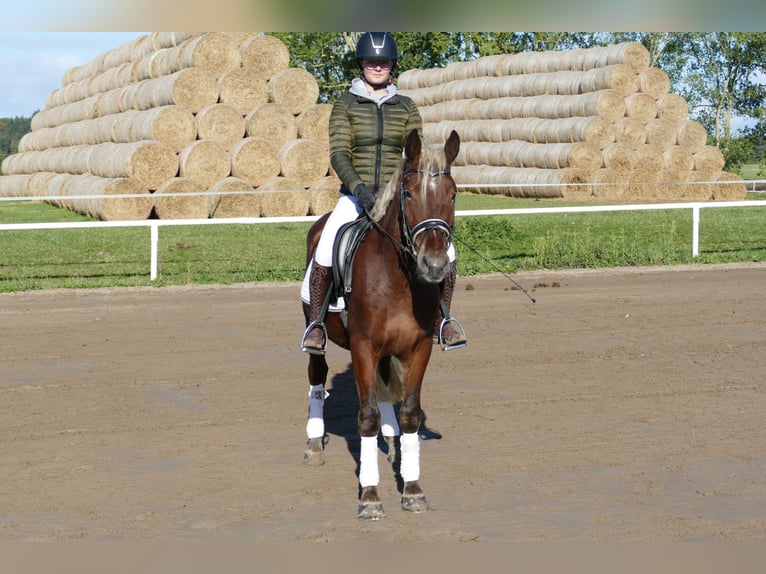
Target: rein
(410, 234)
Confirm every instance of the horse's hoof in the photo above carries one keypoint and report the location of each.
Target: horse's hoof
(371, 511)
(314, 454)
(414, 503)
(311, 458)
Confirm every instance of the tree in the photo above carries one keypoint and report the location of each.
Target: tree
(11, 132)
(721, 78)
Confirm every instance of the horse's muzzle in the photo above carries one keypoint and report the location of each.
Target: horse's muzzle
(432, 268)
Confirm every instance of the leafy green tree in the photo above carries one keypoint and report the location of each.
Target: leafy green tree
(11, 132)
(721, 78)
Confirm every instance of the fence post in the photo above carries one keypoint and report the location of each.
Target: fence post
(155, 234)
(695, 230)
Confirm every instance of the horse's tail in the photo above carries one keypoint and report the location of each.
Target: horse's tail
(389, 380)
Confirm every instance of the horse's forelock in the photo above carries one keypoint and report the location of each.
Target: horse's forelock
(432, 160)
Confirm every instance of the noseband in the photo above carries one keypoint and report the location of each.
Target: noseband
(410, 235)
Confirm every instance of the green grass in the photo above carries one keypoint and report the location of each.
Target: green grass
(751, 171)
(75, 258)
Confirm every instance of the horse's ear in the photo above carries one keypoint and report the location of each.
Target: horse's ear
(452, 147)
(412, 145)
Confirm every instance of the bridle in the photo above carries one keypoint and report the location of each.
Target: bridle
(413, 237)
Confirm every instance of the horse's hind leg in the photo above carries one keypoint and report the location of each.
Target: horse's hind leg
(315, 430)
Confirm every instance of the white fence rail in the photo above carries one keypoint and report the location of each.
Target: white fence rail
(155, 224)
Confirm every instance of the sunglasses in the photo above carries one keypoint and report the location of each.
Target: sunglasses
(372, 64)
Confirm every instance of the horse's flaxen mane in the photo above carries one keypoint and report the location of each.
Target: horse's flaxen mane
(431, 160)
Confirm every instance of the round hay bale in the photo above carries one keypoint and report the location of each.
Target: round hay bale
(324, 195)
(294, 88)
(272, 122)
(83, 110)
(654, 81)
(303, 161)
(282, 197)
(181, 198)
(708, 159)
(699, 186)
(147, 162)
(691, 135)
(215, 52)
(115, 208)
(640, 185)
(221, 123)
(618, 77)
(15, 185)
(160, 40)
(171, 125)
(191, 88)
(236, 198)
(596, 130)
(254, 160)
(634, 55)
(205, 162)
(641, 106)
(729, 187)
(58, 189)
(156, 64)
(608, 184)
(630, 132)
(678, 158)
(672, 107)
(608, 104)
(647, 158)
(244, 89)
(661, 132)
(575, 183)
(266, 55)
(314, 124)
(669, 184)
(618, 157)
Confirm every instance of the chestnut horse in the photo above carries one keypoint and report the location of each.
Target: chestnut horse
(391, 309)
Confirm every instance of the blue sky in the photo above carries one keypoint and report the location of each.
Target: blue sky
(32, 64)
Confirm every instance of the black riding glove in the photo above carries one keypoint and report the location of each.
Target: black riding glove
(365, 197)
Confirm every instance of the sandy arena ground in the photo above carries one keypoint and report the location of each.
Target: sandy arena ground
(625, 405)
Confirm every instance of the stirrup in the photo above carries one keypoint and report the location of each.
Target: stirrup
(440, 338)
(313, 350)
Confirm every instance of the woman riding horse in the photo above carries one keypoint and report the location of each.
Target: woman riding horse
(368, 127)
(391, 304)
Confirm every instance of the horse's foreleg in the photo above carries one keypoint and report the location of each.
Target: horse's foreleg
(315, 429)
(370, 506)
(410, 414)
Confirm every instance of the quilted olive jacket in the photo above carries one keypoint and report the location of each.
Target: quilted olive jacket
(367, 138)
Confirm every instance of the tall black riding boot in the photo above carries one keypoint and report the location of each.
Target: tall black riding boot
(448, 331)
(315, 338)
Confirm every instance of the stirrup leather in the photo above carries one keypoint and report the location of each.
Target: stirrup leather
(440, 335)
(314, 350)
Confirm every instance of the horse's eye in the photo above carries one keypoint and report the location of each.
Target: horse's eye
(407, 193)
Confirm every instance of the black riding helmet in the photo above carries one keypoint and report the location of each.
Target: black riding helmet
(376, 46)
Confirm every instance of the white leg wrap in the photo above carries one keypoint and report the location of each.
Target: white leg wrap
(315, 424)
(388, 423)
(410, 466)
(368, 462)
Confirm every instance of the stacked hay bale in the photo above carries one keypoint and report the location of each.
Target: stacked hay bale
(574, 124)
(181, 125)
